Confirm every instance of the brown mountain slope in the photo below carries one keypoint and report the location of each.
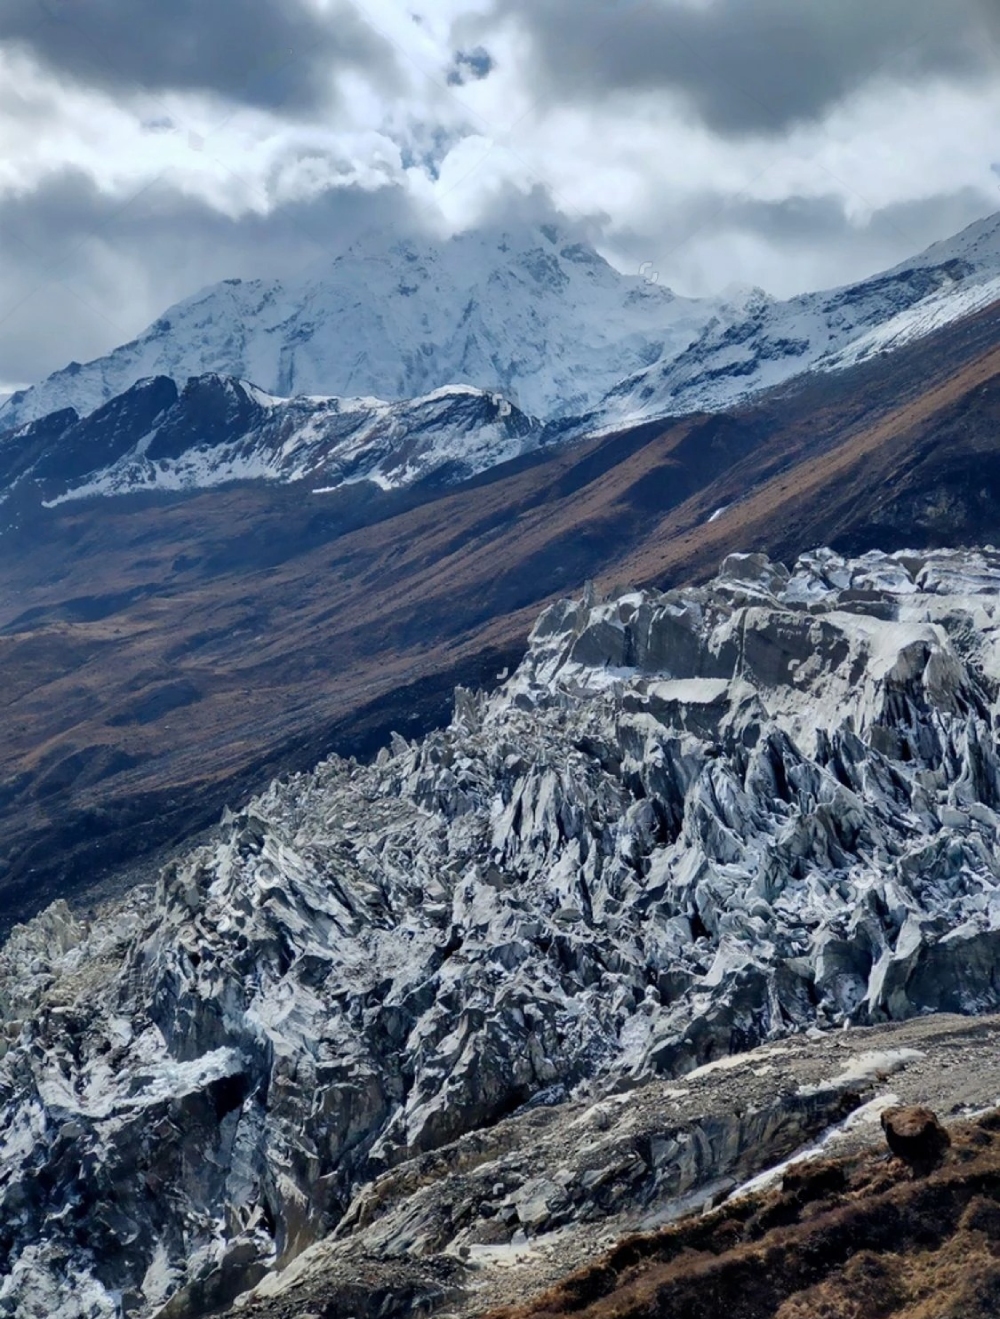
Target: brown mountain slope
(160, 656)
(926, 472)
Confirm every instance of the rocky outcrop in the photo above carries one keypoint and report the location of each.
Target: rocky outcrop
(916, 1136)
(436, 1218)
(843, 1237)
(219, 429)
(688, 824)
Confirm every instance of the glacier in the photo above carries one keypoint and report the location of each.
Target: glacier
(689, 824)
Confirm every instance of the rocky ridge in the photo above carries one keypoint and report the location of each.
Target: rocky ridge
(757, 342)
(690, 823)
(216, 429)
(557, 1196)
(533, 314)
(842, 1238)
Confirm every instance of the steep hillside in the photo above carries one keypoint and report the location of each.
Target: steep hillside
(609, 1170)
(918, 467)
(162, 654)
(838, 1239)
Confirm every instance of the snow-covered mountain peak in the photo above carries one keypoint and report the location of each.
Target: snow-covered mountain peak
(534, 313)
(744, 299)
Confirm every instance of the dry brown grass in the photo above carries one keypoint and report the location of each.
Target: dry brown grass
(857, 1239)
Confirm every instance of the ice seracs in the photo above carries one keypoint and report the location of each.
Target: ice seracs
(687, 824)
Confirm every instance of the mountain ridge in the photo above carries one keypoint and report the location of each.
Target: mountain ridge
(534, 315)
(218, 429)
(292, 624)
(734, 358)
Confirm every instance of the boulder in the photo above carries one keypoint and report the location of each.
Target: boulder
(915, 1135)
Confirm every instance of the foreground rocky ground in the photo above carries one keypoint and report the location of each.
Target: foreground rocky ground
(852, 1238)
(689, 825)
(478, 1226)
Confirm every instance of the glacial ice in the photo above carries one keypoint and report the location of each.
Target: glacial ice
(688, 824)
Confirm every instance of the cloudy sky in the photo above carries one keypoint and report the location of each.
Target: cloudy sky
(148, 147)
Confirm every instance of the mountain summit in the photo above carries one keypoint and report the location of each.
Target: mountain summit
(533, 314)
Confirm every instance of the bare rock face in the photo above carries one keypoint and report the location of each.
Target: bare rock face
(688, 824)
(916, 1136)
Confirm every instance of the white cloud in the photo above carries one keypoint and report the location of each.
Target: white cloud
(128, 194)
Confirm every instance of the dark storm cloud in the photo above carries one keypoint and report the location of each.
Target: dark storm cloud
(84, 272)
(275, 54)
(750, 66)
(811, 222)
